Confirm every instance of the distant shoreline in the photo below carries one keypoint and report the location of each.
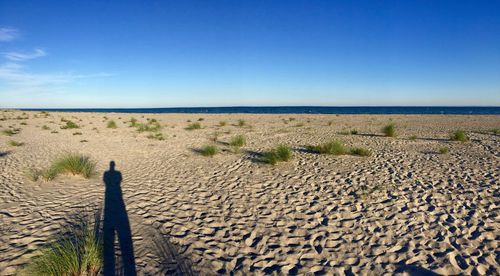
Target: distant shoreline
(400, 110)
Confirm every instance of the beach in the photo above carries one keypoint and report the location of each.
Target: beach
(407, 207)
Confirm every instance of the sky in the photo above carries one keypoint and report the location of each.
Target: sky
(57, 54)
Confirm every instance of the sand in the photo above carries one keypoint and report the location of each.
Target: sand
(404, 209)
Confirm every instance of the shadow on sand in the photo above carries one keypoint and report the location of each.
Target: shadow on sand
(116, 223)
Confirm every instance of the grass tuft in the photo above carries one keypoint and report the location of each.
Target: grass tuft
(389, 130)
(111, 124)
(241, 123)
(45, 127)
(459, 135)
(281, 153)
(238, 141)
(360, 152)
(9, 132)
(444, 150)
(193, 126)
(14, 143)
(209, 150)
(69, 125)
(157, 136)
(333, 147)
(73, 163)
(413, 138)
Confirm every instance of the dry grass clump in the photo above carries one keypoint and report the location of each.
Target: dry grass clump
(281, 153)
(332, 147)
(444, 150)
(69, 125)
(14, 143)
(360, 152)
(208, 150)
(9, 132)
(45, 127)
(73, 163)
(193, 126)
(242, 123)
(111, 124)
(222, 123)
(459, 135)
(156, 136)
(389, 130)
(76, 250)
(238, 141)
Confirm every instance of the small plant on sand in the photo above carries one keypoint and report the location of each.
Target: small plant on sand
(9, 132)
(360, 152)
(201, 119)
(459, 135)
(354, 132)
(45, 127)
(444, 150)
(413, 138)
(209, 150)
(111, 124)
(14, 143)
(281, 153)
(241, 123)
(151, 126)
(238, 141)
(69, 125)
(299, 125)
(389, 130)
(33, 174)
(156, 136)
(333, 147)
(495, 131)
(132, 122)
(73, 163)
(193, 126)
(222, 123)
(76, 250)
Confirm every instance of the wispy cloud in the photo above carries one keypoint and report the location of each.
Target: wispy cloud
(21, 56)
(8, 34)
(14, 74)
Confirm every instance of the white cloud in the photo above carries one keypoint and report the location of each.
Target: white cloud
(14, 74)
(8, 34)
(19, 56)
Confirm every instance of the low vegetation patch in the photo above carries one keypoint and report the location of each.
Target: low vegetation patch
(73, 163)
(238, 141)
(9, 132)
(14, 143)
(69, 125)
(208, 150)
(354, 132)
(413, 138)
(111, 124)
(133, 122)
(222, 123)
(242, 123)
(45, 127)
(459, 135)
(333, 147)
(150, 126)
(281, 153)
(76, 250)
(156, 136)
(389, 130)
(193, 126)
(444, 150)
(360, 152)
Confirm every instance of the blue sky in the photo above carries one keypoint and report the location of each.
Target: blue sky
(226, 53)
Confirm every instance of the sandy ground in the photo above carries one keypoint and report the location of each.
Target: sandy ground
(405, 209)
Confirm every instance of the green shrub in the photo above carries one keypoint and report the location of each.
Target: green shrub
(459, 135)
(444, 150)
(193, 126)
(241, 123)
(111, 124)
(73, 163)
(238, 141)
(14, 143)
(76, 250)
(69, 125)
(209, 150)
(333, 147)
(389, 130)
(281, 153)
(360, 152)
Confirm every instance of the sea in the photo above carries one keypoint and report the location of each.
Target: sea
(455, 110)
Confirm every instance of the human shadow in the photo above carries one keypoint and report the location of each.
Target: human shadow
(116, 223)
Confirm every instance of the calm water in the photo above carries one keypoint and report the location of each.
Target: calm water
(474, 110)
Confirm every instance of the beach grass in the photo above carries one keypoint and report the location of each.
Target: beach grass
(242, 123)
(69, 125)
(444, 150)
(14, 143)
(9, 132)
(332, 147)
(193, 126)
(111, 124)
(360, 152)
(73, 163)
(281, 153)
(389, 130)
(459, 135)
(238, 141)
(208, 150)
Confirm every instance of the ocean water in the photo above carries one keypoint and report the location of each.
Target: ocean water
(464, 110)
